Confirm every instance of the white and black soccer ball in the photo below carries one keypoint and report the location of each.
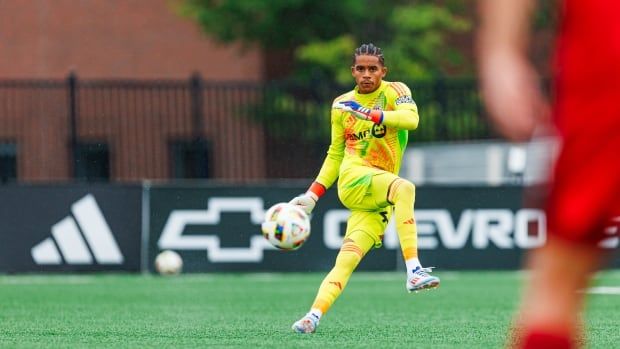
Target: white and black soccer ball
(168, 262)
(286, 226)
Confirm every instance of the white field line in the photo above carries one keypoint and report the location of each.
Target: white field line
(607, 290)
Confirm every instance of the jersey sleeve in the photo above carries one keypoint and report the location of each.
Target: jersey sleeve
(335, 153)
(404, 113)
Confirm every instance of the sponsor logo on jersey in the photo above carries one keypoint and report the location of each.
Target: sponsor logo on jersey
(365, 134)
(377, 131)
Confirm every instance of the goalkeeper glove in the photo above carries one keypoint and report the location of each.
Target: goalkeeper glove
(308, 200)
(360, 111)
(305, 201)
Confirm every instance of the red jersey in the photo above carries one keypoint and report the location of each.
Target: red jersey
(585, 192)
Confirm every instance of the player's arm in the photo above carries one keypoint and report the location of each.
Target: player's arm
(404, 113)
(509, 84)
(330, 168)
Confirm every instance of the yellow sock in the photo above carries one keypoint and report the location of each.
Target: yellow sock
(351, 253)
(402, 194)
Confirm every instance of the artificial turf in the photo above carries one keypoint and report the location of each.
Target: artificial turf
(469, 310)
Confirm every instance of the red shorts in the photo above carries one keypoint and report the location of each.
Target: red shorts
(585, 189)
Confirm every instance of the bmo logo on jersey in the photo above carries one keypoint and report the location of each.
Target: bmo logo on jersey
(365, 134)
(377, 131)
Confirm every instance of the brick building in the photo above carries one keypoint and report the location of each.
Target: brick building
(132, 105)
(141, 39)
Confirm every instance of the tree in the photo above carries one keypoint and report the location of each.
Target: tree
(318, 36)
(274, 24)
(414, 36)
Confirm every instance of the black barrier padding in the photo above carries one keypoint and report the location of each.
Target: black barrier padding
(28, 214)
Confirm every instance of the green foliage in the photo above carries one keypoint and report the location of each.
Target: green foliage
(418, 48)
(327, 60)
(413, 39)
(414, 36)
(292, 115)
(546, 15)
(449, 110)
(274, 23)
(324, 33)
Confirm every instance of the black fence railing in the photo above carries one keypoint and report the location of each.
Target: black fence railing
(127, 130)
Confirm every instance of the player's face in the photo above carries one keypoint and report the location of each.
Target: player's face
(368, 73)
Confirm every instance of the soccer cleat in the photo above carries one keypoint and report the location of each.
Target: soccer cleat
(421, 280)
(306, 324)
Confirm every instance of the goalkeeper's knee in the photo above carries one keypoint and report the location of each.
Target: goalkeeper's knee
(401, 189)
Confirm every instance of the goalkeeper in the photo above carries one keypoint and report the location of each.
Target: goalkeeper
(369, 131)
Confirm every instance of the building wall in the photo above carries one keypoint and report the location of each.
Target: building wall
(35, 119)
(142, 39)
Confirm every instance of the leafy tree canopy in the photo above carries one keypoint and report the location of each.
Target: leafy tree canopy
(414, 35)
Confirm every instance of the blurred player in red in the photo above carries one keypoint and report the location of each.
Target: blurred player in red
(584, 195)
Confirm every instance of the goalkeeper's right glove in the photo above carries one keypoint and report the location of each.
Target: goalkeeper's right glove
(308, 200)
(305, 201)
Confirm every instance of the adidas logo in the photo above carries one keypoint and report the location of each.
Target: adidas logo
(77, 235)
(337, 284)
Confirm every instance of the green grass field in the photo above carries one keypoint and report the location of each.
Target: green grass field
(470, 310)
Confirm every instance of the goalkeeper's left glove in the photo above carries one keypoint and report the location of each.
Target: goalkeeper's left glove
(361, 112)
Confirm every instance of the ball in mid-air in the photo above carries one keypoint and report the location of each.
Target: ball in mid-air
(286, 226)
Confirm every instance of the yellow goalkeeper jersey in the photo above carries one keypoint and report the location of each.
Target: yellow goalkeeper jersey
(356, 142)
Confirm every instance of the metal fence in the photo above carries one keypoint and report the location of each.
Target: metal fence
(127, 130)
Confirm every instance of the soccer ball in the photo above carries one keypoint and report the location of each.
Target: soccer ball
(286, 226)
(168, 263)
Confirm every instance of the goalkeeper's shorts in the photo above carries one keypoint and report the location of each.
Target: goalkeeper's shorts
(363, 190)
